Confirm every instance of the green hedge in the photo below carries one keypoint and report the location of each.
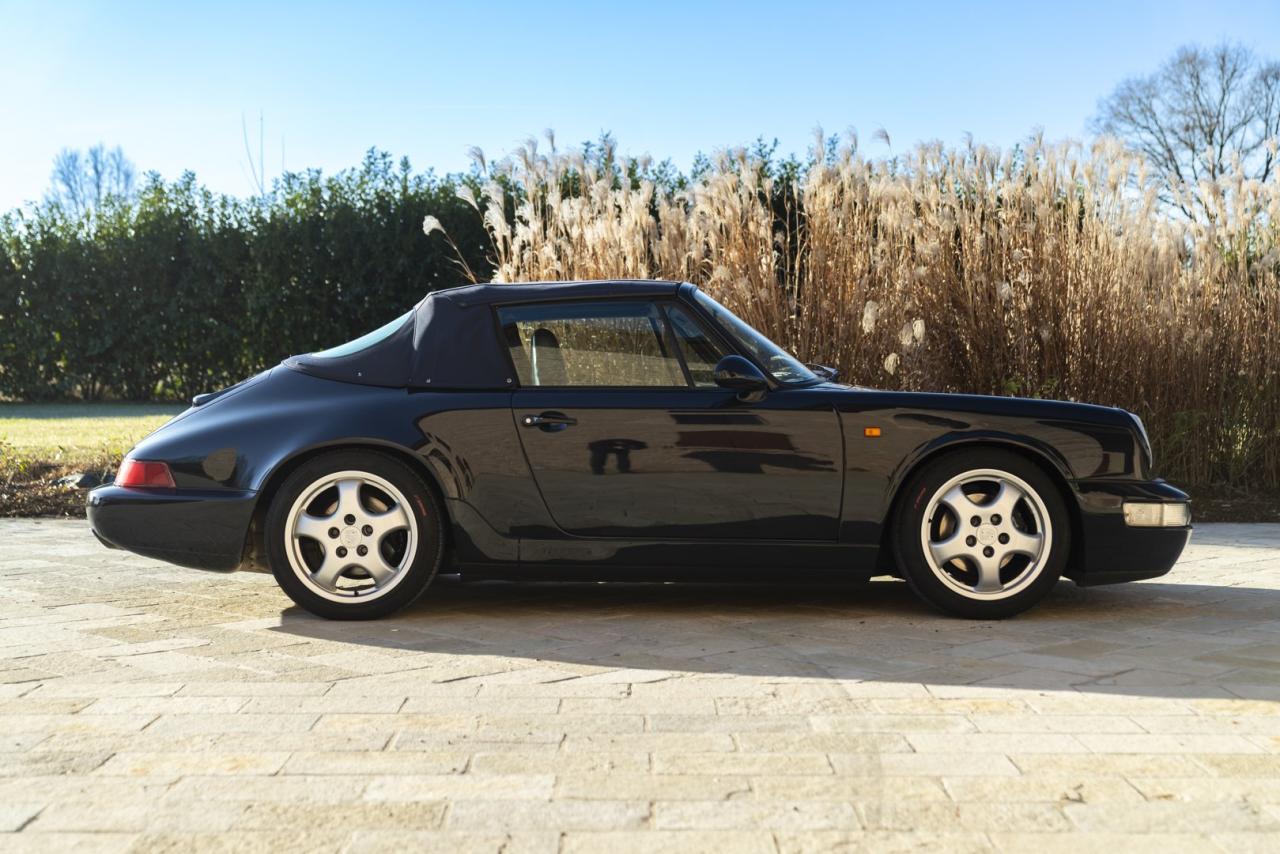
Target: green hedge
(181, 291)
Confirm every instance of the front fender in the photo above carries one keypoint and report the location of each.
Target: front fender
(889, 435)
(1047, 455)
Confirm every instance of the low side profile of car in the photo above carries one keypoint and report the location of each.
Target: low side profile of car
(631, 430)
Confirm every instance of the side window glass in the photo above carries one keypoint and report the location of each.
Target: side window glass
(701, 352)
(603, 344)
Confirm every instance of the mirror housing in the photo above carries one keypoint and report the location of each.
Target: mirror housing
(737, 374)
(826, 372)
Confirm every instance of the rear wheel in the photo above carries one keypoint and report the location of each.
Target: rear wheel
(354, 535)
(982, 533)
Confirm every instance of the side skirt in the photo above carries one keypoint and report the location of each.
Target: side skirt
(662, 574)
(694, 558)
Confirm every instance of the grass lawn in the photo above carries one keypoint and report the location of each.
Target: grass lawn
(78, 428)
(40, 442)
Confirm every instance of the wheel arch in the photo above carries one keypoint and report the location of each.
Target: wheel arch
(1052, 468)
(255, 554)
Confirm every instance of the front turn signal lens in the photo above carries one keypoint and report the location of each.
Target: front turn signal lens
(1150, 514)
(145, 474)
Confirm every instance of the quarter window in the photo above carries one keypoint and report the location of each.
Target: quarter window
(701, 352)
(364, 342)
(602, 344)
(785, 367)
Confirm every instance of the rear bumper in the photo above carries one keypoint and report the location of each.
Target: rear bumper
(201, 529)
(1110, 551)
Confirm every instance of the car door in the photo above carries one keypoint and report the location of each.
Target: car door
(627, 435)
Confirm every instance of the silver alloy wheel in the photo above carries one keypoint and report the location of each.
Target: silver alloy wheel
(351, 536)
(986, 534)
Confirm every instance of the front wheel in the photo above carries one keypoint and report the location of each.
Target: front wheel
(982, 533)
(354, 535)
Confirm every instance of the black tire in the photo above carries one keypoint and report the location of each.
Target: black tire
(424, 508)
(909, 549)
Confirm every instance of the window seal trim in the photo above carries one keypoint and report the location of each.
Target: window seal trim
(673, 342)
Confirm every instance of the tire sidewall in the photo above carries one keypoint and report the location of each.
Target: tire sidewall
(423, 504)
(910, 517)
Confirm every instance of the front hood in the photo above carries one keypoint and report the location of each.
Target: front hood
(1022, 407)
(1087, 440)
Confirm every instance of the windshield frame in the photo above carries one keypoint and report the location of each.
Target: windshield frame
(752, 343)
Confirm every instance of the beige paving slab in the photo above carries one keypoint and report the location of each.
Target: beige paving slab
(298, 841)
(454, 787)
(569, 765)
(880, 840)
(145, 707)
(1130, 843)
(37, 842)
(447, 842)
(736, 763)
(1121, 765)
(650, 787)
(317, 818)
(663, 841)
(364, 763)
(1173, 816)
(922, 764)
(175, 763)
(847, 788)
(1030, 817)
(15, 815)
(489, 815)
(765, 815)
(1262, 791)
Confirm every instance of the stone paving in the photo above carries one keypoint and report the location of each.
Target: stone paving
(150, 708)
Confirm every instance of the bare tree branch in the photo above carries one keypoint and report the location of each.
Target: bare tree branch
(1266, 101)
(83, 182)
(1196, 115)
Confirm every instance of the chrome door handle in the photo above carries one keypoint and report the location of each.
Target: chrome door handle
(549, 421)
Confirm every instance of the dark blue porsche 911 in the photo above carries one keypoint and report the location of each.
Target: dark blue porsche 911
(631, 430)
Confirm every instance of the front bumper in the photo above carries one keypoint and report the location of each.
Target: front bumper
(1110, 551)
(201, 529)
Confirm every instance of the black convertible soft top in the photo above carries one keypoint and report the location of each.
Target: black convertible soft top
(450, 340)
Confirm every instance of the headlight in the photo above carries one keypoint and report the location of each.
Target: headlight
(1150, 514)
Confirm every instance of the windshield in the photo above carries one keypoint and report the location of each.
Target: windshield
(784, 367)
(364, 341)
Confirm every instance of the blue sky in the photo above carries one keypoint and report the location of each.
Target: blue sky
(170, 81)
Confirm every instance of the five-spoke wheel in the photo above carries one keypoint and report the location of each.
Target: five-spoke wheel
(984, 535)
(353, 535)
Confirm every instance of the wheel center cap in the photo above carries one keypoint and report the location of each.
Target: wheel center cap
(351, 537)
(987, 534)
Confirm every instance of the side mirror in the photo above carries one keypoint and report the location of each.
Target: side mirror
(825, 372)
(737, 374)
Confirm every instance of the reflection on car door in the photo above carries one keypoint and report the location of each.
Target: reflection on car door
(627, 435)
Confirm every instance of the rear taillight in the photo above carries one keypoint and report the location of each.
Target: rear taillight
(141, 473)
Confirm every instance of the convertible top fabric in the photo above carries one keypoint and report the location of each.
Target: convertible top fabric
(451, 341)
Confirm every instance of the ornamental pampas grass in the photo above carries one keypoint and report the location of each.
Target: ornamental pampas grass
(1040, 271)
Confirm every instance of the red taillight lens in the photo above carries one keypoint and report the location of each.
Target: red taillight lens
(143, 473)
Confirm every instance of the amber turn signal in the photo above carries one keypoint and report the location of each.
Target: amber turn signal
(871, 432)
